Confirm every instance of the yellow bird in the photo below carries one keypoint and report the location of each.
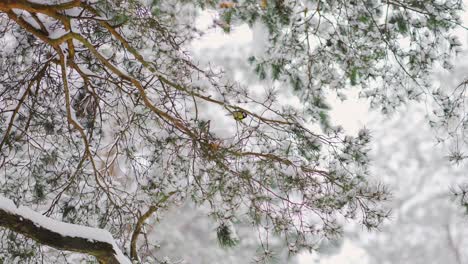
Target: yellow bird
(239, 115)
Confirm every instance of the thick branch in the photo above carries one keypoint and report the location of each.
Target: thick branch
(63, 236)
(35, 7)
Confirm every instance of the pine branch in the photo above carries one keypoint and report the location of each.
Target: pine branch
(59, 235)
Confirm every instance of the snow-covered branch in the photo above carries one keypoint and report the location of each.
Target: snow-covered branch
(60, 235)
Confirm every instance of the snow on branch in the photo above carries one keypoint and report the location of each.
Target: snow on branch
(60, 235)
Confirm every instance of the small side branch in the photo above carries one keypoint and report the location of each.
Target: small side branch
(136, 232)
(141, 221)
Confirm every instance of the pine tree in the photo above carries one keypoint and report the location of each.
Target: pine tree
(106, 120)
